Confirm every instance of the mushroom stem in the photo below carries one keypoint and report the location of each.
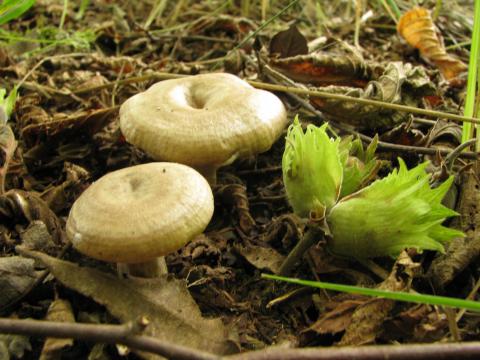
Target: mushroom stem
(148, 269)
(209, 173)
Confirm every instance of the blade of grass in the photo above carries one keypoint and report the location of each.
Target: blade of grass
(399, 296)
(260, 28)
(64, 14)
(12, 9)
(472, 76)
(392, 9)
(157, 11)
(81, 11)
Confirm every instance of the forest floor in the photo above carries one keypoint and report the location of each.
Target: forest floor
(74, 68)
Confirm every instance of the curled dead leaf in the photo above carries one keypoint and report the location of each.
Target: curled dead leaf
(15, 204)
(288, 43)
(17, 276)
(325, 69)
(59, 310)
(417, 28)
(8, 144)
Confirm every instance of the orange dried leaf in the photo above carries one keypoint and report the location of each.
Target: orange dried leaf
(417, 28)
(326, 69)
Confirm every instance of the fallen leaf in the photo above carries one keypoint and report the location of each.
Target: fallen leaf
(339, 315)
(460, 252)
(29, 205)
(13, 346)
(8, 144)
(17, 276)
(394, 86)
(263, 258)
(288, 43)
(325, 69)
(417, 28)
(173, 314)
(59, 310)
(89, 122)
(236, 195)
(368, 318)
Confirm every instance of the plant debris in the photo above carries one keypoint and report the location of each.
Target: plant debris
(68, 67)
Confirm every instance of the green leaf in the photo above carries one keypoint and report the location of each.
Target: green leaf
(7, 104)
(397, 212)
(359, 166)
(12, 9)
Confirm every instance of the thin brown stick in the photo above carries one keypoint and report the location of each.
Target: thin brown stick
(110, 334)
(293, 90)
(381, 145)
(436, 351)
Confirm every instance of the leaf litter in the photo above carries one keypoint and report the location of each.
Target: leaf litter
(66, 125)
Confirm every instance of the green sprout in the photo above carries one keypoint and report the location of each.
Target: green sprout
(326, 176)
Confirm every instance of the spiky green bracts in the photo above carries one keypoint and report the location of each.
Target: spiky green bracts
(312, 170)
(397, 212)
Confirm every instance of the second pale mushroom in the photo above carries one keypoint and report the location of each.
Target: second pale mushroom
(204, 121)
(137, 215)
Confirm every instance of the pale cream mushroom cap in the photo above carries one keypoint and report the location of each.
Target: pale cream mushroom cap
(136, 214)
(203, 120)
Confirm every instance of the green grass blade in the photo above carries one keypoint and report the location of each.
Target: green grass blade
(399, 296)
(260, 28)
(12, 9)
(472, 75)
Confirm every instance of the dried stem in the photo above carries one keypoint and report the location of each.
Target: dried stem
(110, 334)
(309, 238)
(437, 351)
(157, 76)
(124, 334)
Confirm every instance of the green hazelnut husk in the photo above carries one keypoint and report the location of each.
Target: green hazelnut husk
(312, 170)
(397, 212)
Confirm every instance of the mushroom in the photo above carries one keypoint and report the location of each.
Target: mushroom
(204, 121)
(139, 214)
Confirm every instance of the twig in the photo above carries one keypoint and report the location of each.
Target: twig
(295, 90)
(381, 145)
(312, 236)
(437, 351)
(110, 334)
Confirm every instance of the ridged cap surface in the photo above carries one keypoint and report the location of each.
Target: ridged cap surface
(203, 120)
(138, 213)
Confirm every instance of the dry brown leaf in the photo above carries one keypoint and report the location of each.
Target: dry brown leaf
(339, 317)
(8, 144)
(368, 318)
(288, 43)
(398, 84)
(263, 258)
(59, 310)
(15, 203)
(17, 276)
(462, 251)
(173, 314)
(326, 69)
(236, 195)
(417, 28)
(89, 122)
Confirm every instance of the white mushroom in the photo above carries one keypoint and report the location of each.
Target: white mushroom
(139, 214)
(204, 121)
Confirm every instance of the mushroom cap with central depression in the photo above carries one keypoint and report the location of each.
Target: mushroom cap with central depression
(203, 120)
(136, 214)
